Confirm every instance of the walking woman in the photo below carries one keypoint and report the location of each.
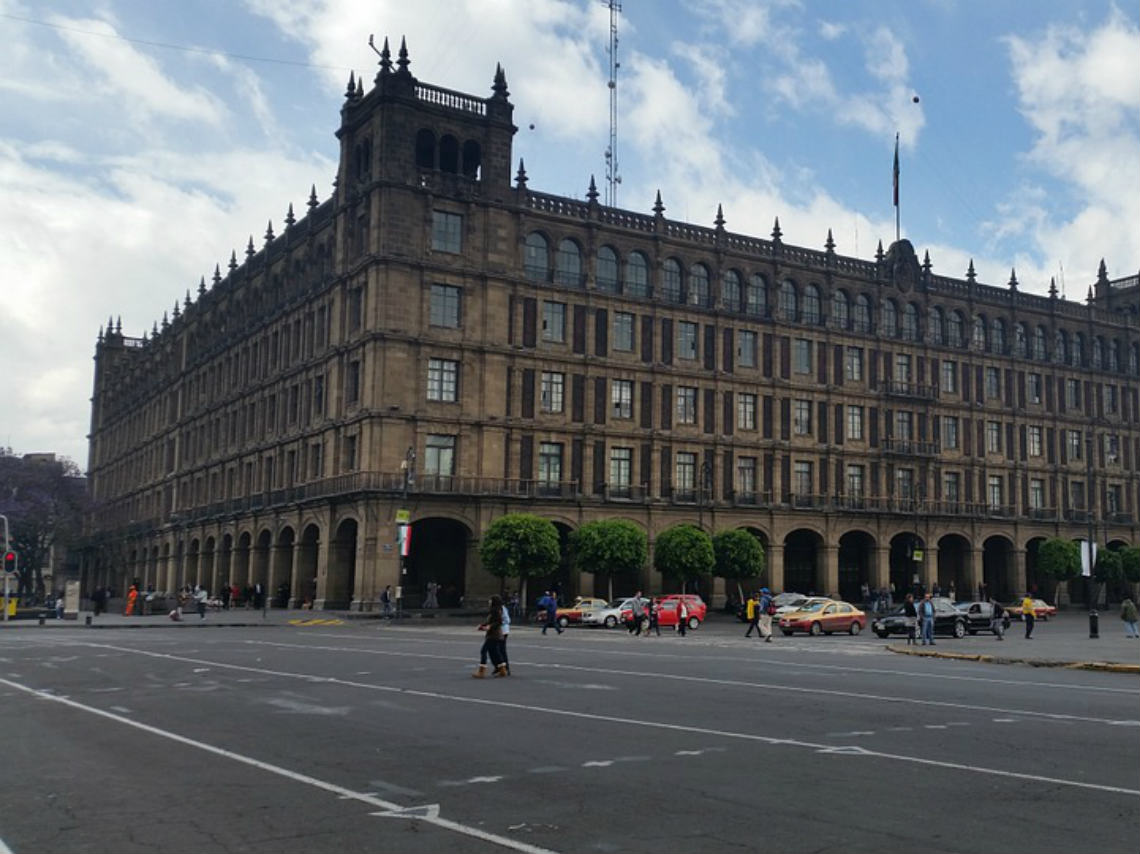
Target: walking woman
(911, 615)
(492, 628)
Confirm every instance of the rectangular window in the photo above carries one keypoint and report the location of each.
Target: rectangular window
(623, 331)
(801, 417)
(686, 340)
(802, 478)
(746, 349)
(746, 475)
(443, 380)
(1034, 434)
(950, 377)
(352, 382)
(445, 306)
(994, 491)
(902, 368)
(1072, 394)
(950, 432)
(746, 411)
(1111, 448)
(621, 395)
(1110, 399)
(551, 391)
(993, 384)
(855, 422)
(802, 356)
(855, 481)
(355, 311)
(686, 473)
(349, 448)
(1073, 440)
(853, 364)
(621, 469)
(904, 422)
(993, 437)
(554, 321)
(686, 405)
(1077, 490)
(439, 455)
(952, 487)
(446, 232)
(1114, 497)
(550, 462)
(1036, 494)
(904, 484)
(1034, 388)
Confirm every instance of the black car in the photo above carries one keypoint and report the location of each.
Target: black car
(978, 616)
(948, 620)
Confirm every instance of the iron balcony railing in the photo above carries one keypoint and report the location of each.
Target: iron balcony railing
(914, 391)
(910, 448)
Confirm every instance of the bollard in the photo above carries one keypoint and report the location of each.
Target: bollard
(88, 620)
(1094, 624)
(41, 618)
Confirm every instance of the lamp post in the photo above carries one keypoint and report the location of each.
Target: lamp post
(702, 485)
(1094, 619)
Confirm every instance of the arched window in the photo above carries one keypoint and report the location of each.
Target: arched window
(811, 311)
(568, 265)
(1134, 359)
(449, 154)
(1060, 347)
(890, 323)
(472, 159)
(637, 275)
(997, 336)
(1039, 343)
(978, 337)
(425, 149)
(537, 261)
(671, 281)
(787, 300)
(861, 318)
(1098, 352)
(910, 322)
(607, 270)
(934, 325)
(698, 285)
(1020, 344)
(1077, 355)
(840, 318)
(955, 329)
(756, 297)
(1114, 356)
(730, 290)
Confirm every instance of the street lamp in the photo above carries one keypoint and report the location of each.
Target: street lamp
(1094, 618)
(703, 484)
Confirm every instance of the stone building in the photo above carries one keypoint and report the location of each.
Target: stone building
(440, 339)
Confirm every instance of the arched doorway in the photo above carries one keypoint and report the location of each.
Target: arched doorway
(802, 567)
(207, 565)
(856, 551)
(438, 555)
(340, 584)
(225, 562)
(906, 572)
(562, 580)
(305, 573)
(998, 569)
(193, 563)
(281, 575)
(260, 564)
(240, 574)
(954, 567)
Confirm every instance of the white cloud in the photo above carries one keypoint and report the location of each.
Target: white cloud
(830, 30)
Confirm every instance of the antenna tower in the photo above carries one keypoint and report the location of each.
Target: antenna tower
(613, 177)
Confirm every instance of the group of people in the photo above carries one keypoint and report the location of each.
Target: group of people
(759, 610)
(496, 628)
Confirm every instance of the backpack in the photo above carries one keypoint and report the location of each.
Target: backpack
(771, 609)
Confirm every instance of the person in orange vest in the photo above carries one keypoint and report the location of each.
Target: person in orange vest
(132, 598)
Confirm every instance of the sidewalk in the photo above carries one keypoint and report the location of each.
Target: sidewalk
(1063, 641)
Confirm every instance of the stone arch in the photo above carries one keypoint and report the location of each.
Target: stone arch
(425, 149)
(259, 565)
(306, 567)
(563, 579)
(954, 555)
(193, 562)
(449, 154)
(998, 568)
(439, 554)
(240, 569)
(208, 566)
(280, 585)
(472, 159)
(803, 561)
(340, 580)
(856, 554)
(907, 573)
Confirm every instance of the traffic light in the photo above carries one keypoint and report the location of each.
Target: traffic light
(11, 562)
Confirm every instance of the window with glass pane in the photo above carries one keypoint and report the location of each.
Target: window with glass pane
(950, 377)
(904, 484)
(686, 340)
(855, 422)
(621, 469)
(699, 285)
(949, 433)
(855, 481)
(746, 475)
(839, 310)
(1076, 443)
(994, 491)
(623, 331)
(756, 296)
(993, 437)
(934, 324)
(904, 422)
(1020, 344)
(811, 309)
(910, 322)
(890, 324)
(1078, 351)
(802, 478)
(446, 232)
(746, 349)
(902, 368)
(607, 270)
(1037, 494)
(686, 405)
(553, 321)
(1077, 490)
(1060, 347)
(1039, 343)
(1035, 388)
(621, 396)
(1111, 399)
(1114, 498)
(1072, 394)
(951, 486)
(671, 280)
(443, 380)
(978, 335)
(637, 275)
(853, 364)
(686, 472)
(993, 384)
(997, 336)
(1111, 448)
(955, 329)
(444, 306)
(861, 316)
(787, 300)
(801, 417)
(730, 291)
(536, 260)
(746, 411)
(550, 462)
(551, 390)
(801, 353)
(568, 265)
(439, 455)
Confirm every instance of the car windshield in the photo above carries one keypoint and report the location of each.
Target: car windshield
(789, 599)
(813, 606)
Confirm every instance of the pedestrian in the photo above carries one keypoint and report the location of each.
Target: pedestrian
(225, 597)
(766, 608)
(432, 598)
(1128, 614)
(132, 600)
(926, 613)
(865, 592)
(549, 605)
(911, 615)
(98, 598)
(200, 598)
(492, 628)
(637, 611)
(1029, 615)
(503, 641)
(752, 612)
(682, 616)
(952, 593)
(386, 601)
(59, 606)
(997, 620)
(234, 594)
(654, 618)
(937, 589)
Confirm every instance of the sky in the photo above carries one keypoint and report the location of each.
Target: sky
(141, 141)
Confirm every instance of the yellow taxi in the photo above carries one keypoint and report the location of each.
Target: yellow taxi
(825, 616)
(573, 613)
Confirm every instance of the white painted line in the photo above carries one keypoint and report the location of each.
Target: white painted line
(934, 726)
(661, 725)
(598, 763)
(4, 849)
(484, 779)
(332, 788)
(1005, 720)
(122, 709)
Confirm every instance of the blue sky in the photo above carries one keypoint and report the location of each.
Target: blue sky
(127, 170)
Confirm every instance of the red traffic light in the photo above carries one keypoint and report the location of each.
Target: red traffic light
(11, 561)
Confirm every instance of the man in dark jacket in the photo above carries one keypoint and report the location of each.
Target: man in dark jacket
(550, 605)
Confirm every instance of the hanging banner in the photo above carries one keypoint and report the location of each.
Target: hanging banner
(1088, 557)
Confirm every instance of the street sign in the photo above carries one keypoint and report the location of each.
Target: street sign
(918, 555)
(403, 517)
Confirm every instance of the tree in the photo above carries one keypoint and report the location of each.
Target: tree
(520, 545)
(1059, 559)
(609, 547)
(44, 499)
(1130, 563)
(739, 555)
(684, 552)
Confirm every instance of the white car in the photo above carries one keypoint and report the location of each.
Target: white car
(610, 615)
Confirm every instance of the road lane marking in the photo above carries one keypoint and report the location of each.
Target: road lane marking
(387, 808)
(598, 763)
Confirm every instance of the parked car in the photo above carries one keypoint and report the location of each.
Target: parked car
(824, 617)
(1042, 610)
(611, 614)
(797, 604)
(667, 614)
(696, 605)
(978, 615)
(948, 620)
(573, 613)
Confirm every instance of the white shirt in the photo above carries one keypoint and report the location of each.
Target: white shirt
(506, 621)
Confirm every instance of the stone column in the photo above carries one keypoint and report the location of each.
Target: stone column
(928, 570)
(974, 572)
(1015, 569)
(776, 567)
(281, 569)
(830, 574)
(881, 568)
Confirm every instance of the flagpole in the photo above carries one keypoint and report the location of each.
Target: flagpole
(896, 183)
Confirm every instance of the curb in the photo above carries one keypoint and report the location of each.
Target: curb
(1104, 666)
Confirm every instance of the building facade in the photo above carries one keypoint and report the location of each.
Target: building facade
(440, 339)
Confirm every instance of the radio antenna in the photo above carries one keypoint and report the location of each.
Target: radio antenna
(613, 176)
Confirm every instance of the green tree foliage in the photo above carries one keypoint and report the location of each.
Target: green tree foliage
(520, 545)
(609, 547)
(1130, 563)
(739, 555)
(684, 552)
(1108, 567)
(1059, 558)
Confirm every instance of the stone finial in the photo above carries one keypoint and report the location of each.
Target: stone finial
(1052, 287)
(100, 338)
(499, 87)
(110, 324)
(350, 91)
(201, 286)
(719, 221)
(269, 232)
(217, 275)
(249, 250)
(520, 178)
(359, 88)
(403, 61)
(1012, 279)
(776, 233)
(154, 327)
(385, 58)
(879, 254)
(177, 311)
(233, 260)
(658, 206)
(1102, 273)
(119, 325)
(289, 218)
(829, 244)
(971, 276)
(313, 197)
(592, 192)
(1089, 298)
(165, 320)
(144, 337)
(926, 262)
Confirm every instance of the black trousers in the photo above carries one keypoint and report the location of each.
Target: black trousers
(1030, 618)
(754, 623)
(492, 647)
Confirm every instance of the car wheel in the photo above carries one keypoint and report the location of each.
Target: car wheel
(959, 629)
(787, 632)
(611, 621)
(563, 622)
(816, 629)
(1044, 618)
(694, 623)
(855, 628)
(883, 635)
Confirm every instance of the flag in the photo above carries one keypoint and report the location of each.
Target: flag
(1088, 557)
(896, 170)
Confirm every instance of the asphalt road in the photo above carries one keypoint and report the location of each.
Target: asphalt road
(373, 737)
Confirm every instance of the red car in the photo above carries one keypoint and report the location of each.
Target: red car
(695, 604)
